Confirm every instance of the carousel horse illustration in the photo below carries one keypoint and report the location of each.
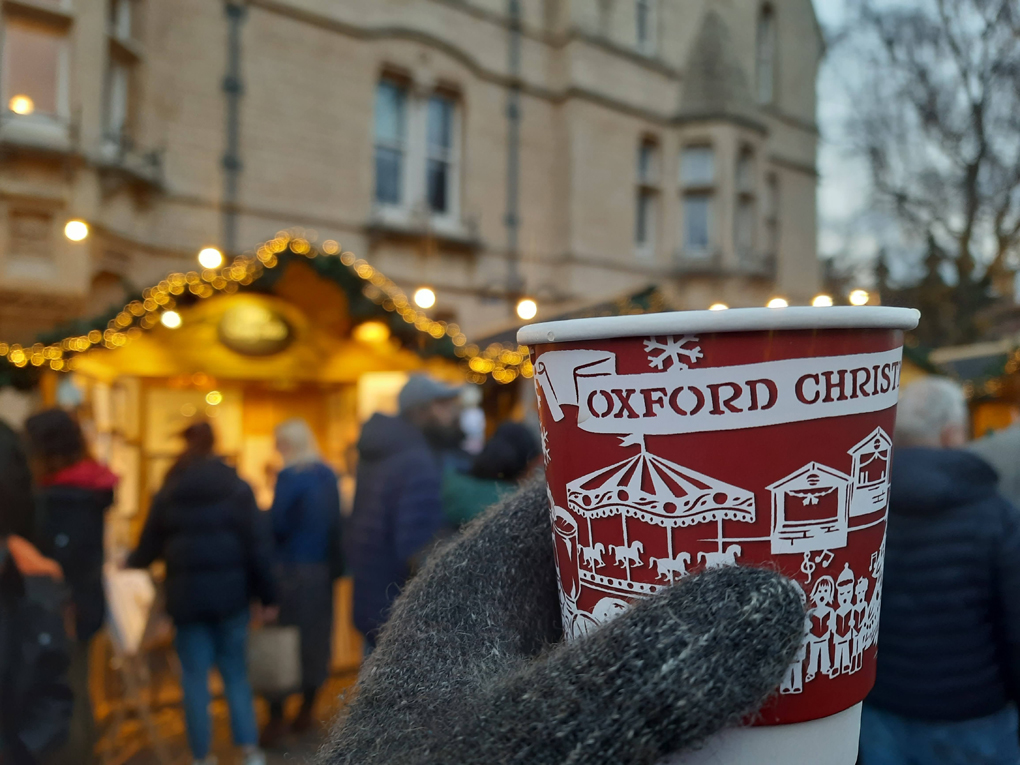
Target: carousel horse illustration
(628, 553)
(717, 559)
(592, 556)
(667, 568)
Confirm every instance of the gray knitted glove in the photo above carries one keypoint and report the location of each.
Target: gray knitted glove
(466, 670)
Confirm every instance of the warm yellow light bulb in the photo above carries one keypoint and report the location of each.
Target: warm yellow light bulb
(76, 230)
(424, 297)
(527, 309)
(170, 319)
(213, 398)
(372, 332)
(210, 257)
(778, 302)
(859, 297)
(821, 301)
(21, 104)
(718, 307)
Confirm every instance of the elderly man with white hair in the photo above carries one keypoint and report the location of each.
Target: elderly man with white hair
(949, 659)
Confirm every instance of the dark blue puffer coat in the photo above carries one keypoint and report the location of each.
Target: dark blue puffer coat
(949, 637)
(397, 513)
(216, 543)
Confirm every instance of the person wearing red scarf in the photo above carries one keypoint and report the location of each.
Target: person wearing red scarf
(74, 492)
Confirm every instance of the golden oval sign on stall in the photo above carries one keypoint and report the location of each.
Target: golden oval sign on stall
(255, 330)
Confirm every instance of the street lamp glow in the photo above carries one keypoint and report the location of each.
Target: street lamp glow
(821, 301)
(21, 104)
(76, 230)
(170, 319)
(424, 297)
(859, 297)
(210, 257)
(778, 302)
(527, 309)
(718, 307)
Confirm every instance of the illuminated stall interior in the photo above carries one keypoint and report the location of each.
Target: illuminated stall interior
(296, 342)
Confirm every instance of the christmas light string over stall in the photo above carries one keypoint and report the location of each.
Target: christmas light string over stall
(502, 363)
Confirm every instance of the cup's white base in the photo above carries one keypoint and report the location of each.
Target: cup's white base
(829, 741)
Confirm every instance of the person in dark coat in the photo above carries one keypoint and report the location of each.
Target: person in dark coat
(306, 527)
(15, 485)
(397, 504)
(205, 525)
(495, 472)
(949, 633)
(36, 700)
(74, 492)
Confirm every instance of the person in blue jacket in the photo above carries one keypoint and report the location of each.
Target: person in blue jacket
(306, 527)
(398, 509)
(949, 633)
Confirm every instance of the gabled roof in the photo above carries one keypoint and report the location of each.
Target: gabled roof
(715, 84)
(867, 444)
(811, 467)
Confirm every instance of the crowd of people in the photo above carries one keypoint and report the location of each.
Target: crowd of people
(948, 668)
(227, 564)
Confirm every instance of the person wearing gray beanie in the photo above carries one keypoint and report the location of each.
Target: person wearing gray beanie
(472, 666)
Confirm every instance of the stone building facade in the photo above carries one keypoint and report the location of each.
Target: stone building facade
(652, 141)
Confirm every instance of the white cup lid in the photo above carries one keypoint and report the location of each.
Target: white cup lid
(730, 320)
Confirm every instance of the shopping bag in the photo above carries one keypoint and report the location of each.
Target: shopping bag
(129, 597)
(274, 660)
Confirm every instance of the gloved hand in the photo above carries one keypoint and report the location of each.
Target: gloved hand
(471, 668)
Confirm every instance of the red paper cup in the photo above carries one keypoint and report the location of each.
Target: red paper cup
(682, 441)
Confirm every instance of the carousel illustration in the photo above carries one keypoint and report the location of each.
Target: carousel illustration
(648, 490)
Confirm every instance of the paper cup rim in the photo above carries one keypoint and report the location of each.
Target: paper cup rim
(730, 320)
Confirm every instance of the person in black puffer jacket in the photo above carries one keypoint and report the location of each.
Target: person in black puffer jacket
(949, 634)
(73, 494)
(205, 525)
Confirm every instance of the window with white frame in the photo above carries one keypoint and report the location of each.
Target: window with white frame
(697, 185)
(646, 210)
(33, 71)
(772, 214)
(120, 69)
(118, 78)
(645, 25)
(439, 154)
(390, 142)
(765, 55)
(744, 218)
(416, 150)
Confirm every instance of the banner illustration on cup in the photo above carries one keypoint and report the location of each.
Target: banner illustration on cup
(679, 442)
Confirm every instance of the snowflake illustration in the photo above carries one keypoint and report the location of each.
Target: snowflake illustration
(666, 351)
(545, 445)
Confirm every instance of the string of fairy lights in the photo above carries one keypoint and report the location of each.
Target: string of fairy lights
(158, 305)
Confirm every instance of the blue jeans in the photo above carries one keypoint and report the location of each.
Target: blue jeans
(199, 646)
(888, 739)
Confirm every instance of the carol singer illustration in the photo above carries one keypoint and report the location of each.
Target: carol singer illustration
(652, 490)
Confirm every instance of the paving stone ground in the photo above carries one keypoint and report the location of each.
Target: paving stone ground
(130, 744)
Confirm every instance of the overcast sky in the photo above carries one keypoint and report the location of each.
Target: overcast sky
(843, 185)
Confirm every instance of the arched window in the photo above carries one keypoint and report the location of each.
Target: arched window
(765, 60)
